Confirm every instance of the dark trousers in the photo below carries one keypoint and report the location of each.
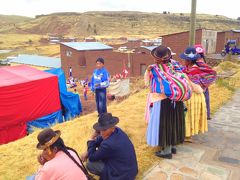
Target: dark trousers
(207, 98)
(95, 167)
(101, 100)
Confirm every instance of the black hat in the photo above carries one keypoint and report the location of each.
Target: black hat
(190, 54)
(105, 121)
(47, 137)
(101, 60)
(161, 52)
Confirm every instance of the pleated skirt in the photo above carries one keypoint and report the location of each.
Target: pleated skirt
(154, 124)
(166, 124)
(172, 123)
(196, 116)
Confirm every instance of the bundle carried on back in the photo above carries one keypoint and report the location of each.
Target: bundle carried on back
(168, 79)
(201, 74)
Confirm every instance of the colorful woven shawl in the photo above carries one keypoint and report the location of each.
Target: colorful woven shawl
(169, 79)
(201, 74)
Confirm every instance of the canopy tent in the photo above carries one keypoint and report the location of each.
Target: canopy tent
(25, 94)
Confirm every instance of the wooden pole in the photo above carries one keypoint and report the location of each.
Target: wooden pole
(193, 23)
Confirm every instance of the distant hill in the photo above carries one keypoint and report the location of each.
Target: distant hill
(9, 22)
(117, 23)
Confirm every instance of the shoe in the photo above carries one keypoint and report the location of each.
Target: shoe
(174, 151)
(209, 118)
(165, 156)
(188, 139)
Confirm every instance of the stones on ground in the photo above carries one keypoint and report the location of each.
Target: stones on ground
(209, 176)
(176, 176)
(157, 176)
(229, 160)
(166, 166)
(189, 171)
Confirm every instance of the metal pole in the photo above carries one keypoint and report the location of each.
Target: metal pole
(193, 23)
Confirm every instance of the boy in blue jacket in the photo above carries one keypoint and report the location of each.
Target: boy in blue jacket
(99, 84)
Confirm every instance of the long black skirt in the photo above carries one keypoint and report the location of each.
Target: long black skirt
(172, 123)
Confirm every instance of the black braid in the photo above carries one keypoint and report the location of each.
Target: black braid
(61, 147)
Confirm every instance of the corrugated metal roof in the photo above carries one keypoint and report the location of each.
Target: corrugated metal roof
(37, 60)
(150, 48)
(84, 46)
(236, 30)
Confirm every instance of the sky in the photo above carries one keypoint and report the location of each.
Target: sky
(36, 7)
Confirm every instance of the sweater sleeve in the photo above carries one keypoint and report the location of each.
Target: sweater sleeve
(105, 79)
(92, 83)
(103, 152)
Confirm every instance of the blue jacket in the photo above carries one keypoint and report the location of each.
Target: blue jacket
(100, 79)
(117, 153)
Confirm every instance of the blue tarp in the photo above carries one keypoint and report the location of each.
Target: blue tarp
(45, 121)
(71, 105)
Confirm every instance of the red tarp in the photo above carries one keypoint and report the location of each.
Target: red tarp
(25, 95)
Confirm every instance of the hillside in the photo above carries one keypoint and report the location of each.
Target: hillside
(10, 21)
(117, 24)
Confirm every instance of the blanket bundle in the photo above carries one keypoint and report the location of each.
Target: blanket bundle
(201, 74)
(169, 79)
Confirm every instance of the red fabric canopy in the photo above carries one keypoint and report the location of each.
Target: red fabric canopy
(25, 95)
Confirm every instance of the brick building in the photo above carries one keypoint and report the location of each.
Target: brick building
(130, 44)
(179, 41)
(223, 37)
(145, 49)
(81, 56)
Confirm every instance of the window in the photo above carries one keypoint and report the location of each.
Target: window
(68, 53)
(143, 68)
(82, 62)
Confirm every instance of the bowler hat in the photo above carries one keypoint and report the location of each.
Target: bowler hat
(172, 53)
(105, 121)
(161, 52)
(47, 137)
(101, 60)
(190, 54)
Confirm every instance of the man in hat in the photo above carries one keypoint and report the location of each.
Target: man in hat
(57, 160)
(99, 83)
(110, 153)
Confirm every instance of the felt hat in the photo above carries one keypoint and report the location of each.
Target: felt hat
(47, 137)
(105, 121)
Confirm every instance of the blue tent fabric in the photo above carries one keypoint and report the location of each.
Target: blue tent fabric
(45, 121)
(71, 104)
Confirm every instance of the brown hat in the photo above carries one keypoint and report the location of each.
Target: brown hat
(105, 121)
(161, 52)
(47, 137)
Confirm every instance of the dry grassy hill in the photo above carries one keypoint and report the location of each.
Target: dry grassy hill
(117, 23)
(10, 21)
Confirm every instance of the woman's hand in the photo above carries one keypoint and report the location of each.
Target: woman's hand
(149, 68)
(41, 159)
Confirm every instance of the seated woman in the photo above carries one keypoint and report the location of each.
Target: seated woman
(57, 160)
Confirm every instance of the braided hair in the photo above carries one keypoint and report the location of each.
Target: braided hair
(59, 144)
